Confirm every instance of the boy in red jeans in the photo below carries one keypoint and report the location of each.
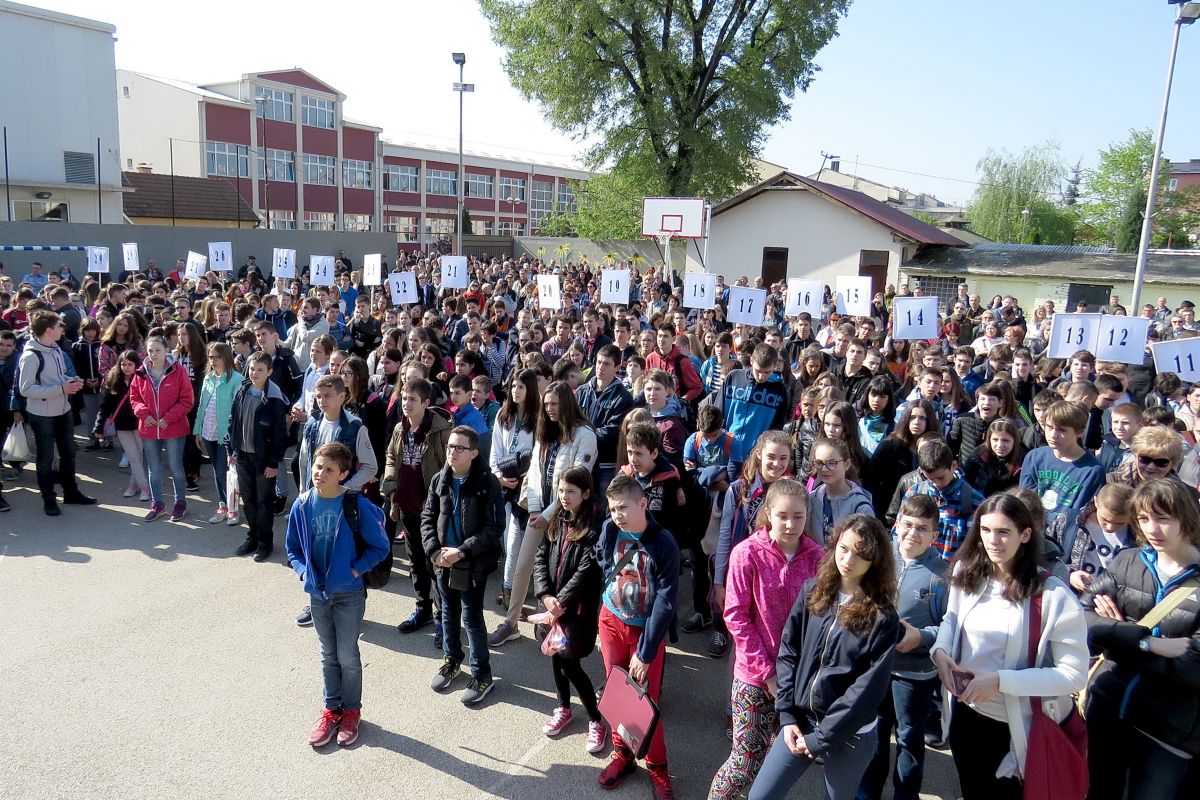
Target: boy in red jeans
(639, 606)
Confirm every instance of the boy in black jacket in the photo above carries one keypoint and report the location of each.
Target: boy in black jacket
(461, 527)
(257, 440)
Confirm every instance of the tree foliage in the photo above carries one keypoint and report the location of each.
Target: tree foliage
(1015, 198)
(674, 96)
(1111, 189)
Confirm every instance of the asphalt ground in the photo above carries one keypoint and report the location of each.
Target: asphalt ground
(145, 661)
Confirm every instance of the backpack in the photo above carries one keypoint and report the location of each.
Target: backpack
(726, 440)
(377, 576)
(37, 378)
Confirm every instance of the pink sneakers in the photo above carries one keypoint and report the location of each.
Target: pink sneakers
(327, 726)
(348, 732)
(558, 721)
(597, 735)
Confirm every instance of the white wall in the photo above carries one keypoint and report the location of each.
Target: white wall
(823, 238)
(151, 116)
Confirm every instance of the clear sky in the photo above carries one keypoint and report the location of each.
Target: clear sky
(909, 86)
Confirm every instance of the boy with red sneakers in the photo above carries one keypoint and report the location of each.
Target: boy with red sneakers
(638, 610)
(323, 550)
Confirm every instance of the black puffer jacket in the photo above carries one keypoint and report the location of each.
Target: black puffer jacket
(482, 508)
(1160, 696)
(568, 571)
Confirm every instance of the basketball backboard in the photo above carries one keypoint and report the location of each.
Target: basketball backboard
(678, 217)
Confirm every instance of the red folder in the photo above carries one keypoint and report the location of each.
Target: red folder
(628, 708)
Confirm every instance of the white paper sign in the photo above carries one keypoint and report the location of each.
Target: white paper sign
(614, 286)
(1122, 339)
(854, 295)
(97, 259)
(403, 287)
(1181, 356)
(283, 263)
(220, 256)
(372, 269)
(915, 318)
(746, 305)
(699, 290)
(1070, 333)
(549, 292)
(320, 270)
(454, 272)
(129, 251)
(197, 265)
(804, 296)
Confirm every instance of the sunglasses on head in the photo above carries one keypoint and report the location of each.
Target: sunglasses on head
(1161, 463)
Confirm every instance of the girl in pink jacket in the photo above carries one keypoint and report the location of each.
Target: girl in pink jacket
(766, 573)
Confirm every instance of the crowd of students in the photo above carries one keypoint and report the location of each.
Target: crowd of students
(877, 529)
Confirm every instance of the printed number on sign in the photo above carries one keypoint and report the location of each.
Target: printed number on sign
(1112, 334)
(920, 317)
(698, 289)
(1185, 363)
(452, 270)
(746, 305)
(1077, 335)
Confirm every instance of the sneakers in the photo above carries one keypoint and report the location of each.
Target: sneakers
(233, 519)
(219, 516)
(502, 634)
(263, 552)
(192, 484)
(597, 736)
(558, 721)
(418, 619)
(304, 618)
(718, 645)
(326, 727)
(439, 636)
(281, 505)
(477, 690)
(179, 511)
(348, 731)
(4, 506)
(660, 782)
(51, 508)
(695, 623)
(78, 499)
(446, 675)
(93, 446)
(144, 495)
(131, 490)
(247, 547)
(124, 462)
(156, 510)
(619, 766)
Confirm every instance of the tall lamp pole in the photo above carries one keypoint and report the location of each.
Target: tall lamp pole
(461, 88)
(1188, 13)
(260, 103)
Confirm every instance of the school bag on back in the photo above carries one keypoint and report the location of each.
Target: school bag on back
(377, 576)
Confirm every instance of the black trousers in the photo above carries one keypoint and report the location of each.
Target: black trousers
(569, 672)
(258, 498)
(979, 744)
(422, 570)
(50, 434)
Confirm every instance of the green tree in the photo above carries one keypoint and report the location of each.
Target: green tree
(1177, 220)
(1074, 181)
(1012, 203)
(1128, 231)
(466, 221)
(675, 95)
(1111, 189)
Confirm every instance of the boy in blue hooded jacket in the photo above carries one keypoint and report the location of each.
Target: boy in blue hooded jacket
(321, 548)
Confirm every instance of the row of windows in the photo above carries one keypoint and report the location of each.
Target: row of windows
(279, 105)
(285, 220)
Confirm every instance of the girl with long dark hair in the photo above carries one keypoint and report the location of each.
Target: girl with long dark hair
(512, 444)
(114, 405)
(896, 455)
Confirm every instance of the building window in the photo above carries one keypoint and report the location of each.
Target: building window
(512, 187)
(1172, 184)
(230, 160)
(479, 185)
(356, 174)
(481, 227)
(541, 201)
(276, 104)
(404, 227)
(39, 211)
(943, 288)
(510, 228)
(566, 197)
(320, 170)
(439, 226)
(441, 181)
(280, 165)
(318, 113)
(319, 220)
(356, 222)
(280, 220)
(397, 178)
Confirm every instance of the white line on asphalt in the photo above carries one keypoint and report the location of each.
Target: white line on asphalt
(510, 773)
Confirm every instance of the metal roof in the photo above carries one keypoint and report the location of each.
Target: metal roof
(195, 198)
(1041, 248)
(1056, 264)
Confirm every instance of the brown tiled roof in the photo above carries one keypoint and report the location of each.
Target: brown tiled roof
(907, 226)
(195, 198)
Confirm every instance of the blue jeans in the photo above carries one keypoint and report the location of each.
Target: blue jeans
(464, 609)
(338, 622)
(154, 450)
(844, 767)
(905, 709)
(220, 467)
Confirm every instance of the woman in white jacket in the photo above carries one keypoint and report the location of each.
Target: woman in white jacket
(563, 439)
(981, 650)
(512, 443)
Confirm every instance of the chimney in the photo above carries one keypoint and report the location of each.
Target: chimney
(145, 169)
(835, 166)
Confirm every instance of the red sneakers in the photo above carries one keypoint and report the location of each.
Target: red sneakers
(348, 733)
(660, 782)
(326, 727)
(622, 764)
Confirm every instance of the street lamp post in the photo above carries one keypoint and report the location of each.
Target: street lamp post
(1188, 13)
(512, 213)
(261, 103)
(461, 88)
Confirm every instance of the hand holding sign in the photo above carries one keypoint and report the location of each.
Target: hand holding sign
(129, 251)
(854, 295)
(403, 288)
(614, 286)
(320, 270)
(220, 256)
(454, 272)
(549, 292)
(804, 296)
(196, 265)
(283, 263)
(699, 290)
(747, 306)
(372, 269)
(97, 259)
(915, 318)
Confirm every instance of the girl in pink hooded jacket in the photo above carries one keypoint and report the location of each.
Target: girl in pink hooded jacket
(766, 573)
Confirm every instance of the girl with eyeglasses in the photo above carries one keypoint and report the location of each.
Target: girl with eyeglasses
(836, 496)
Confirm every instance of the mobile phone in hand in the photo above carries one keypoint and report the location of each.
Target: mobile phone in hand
(960, 679)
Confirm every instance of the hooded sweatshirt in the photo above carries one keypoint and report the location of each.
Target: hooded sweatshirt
(761, 587)
(669, 420)
(751, 407)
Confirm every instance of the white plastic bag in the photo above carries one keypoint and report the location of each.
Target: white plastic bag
(19, 446)
(232, 495)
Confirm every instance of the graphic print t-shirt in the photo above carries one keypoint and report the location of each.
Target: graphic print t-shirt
(630, 595)
(1062, 484)
(326, 516)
